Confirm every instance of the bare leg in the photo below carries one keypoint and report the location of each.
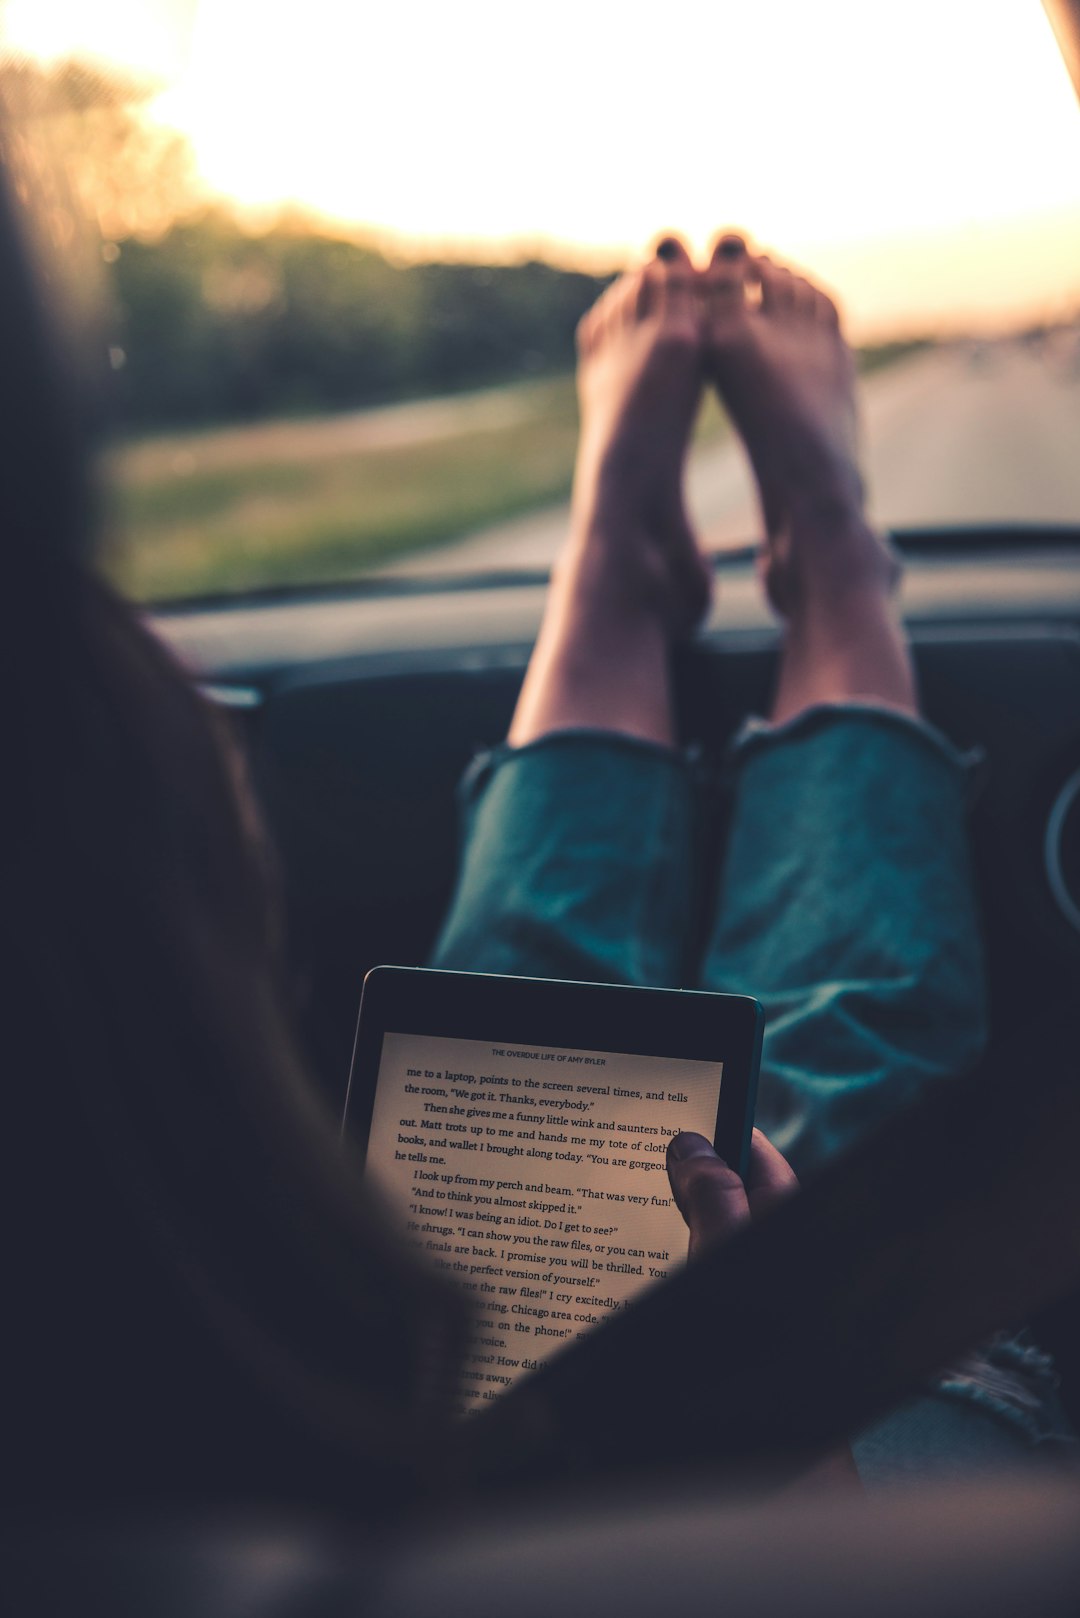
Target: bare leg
(578, 856)
(787, 378)
(631, 578)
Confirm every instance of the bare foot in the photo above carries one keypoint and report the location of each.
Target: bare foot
(631, 577)
(787, 378)
(639, 386)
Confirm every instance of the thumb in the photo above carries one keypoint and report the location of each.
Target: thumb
(710, 1196)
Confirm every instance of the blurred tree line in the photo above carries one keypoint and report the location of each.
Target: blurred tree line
(206, 321)
(212, 323)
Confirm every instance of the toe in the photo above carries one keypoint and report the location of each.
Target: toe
(826, 310)
(672, 250)
(681, 301)
(803, 298)
(648, 291)
(594, 322)
(725, 279)
(586, 330)
(669, 282)
(729, 251)
(777, 292)
(620, 300)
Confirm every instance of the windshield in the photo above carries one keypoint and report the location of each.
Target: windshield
(343, 256)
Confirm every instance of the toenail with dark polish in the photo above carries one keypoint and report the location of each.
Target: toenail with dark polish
(732, 248)
(668, 249)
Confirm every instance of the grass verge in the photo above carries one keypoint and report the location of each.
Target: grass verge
(315, 502)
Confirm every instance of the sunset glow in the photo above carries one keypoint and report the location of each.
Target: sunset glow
(925, 160)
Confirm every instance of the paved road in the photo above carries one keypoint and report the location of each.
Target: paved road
(952, 435)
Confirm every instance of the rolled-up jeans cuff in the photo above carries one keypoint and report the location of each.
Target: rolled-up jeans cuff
(756, 733)
(577, 860)
(1012, 1379)
(482, 767)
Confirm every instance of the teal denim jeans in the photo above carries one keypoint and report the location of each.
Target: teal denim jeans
(844, 903)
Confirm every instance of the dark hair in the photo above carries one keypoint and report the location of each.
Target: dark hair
(201, 1300)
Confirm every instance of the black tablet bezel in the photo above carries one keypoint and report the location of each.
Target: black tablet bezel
(685, 1023)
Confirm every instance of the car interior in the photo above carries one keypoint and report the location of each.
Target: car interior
(359, 704)
(419, 679)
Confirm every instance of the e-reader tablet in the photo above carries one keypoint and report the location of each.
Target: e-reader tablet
(519, 1127)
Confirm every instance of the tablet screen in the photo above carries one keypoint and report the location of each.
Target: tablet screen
(534, 1176)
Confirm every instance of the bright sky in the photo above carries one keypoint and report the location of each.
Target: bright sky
(924, 158)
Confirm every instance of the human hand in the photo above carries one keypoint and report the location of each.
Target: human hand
(716, 1202)
(712, 1198)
